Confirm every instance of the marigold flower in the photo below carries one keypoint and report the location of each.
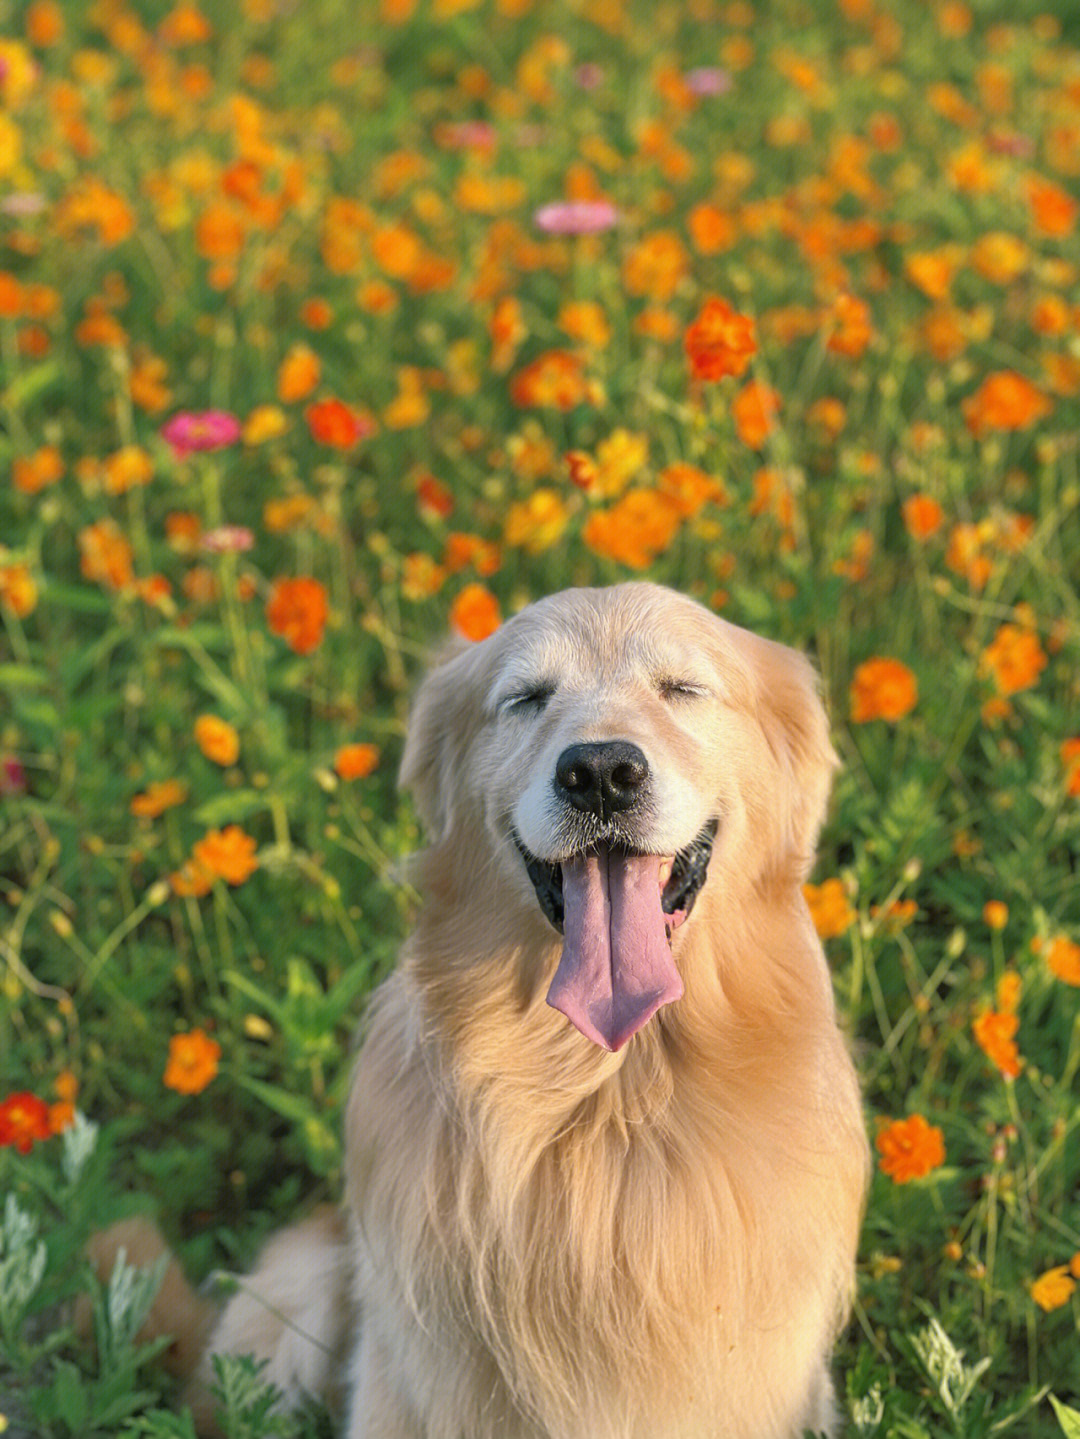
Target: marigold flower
(217, 739)
(333, 422)
(923, 516)
(1063, 959)
(24, 1120)
(755, 409)
(193, 1062)
(18, 590)
(1014, 659)
(157, 797)
(586, 322)
(882, 688)
(475, 612)
(830, 908)
(655, 267)
(995, 914)
(555, 379)
(105, 555)
(635, 530)
(994, 1034)
(32, 473)
(298, 374)
(909, 1148)
(227, 854)
(538, 522)
(690, 489)
(1070, 758)
(719, 341)
(851, 331)
(1005, 401)
(356, 761)
(126, 469)
(266, 422)
(1054, 1288)
(297, 611)
(1053, 210)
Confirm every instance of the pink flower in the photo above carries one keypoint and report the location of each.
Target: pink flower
(12, 776)
(200, 430)
(235, 538)
(708, 80)
(576, 217)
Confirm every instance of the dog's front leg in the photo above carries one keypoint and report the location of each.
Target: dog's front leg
(377, 1408)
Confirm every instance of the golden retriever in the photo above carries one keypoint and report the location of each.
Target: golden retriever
(605, 1153)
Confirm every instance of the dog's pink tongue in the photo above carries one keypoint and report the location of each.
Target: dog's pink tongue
(616, 968)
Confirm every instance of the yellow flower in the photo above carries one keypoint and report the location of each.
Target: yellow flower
(1054, 1288)
(266, 422)
(536, 523)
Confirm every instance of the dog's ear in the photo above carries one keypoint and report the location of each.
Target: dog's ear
(793, 717)
(445, 716)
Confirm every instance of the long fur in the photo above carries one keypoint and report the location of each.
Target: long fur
(547, 1240)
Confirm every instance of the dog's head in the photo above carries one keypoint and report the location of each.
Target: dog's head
(601, 758)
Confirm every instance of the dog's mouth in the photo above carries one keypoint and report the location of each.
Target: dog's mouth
(617, 910)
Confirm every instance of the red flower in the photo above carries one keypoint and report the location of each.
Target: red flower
(334, 423)
(24, 1119)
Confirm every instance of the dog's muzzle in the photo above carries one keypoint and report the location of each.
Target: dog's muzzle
(616, 910)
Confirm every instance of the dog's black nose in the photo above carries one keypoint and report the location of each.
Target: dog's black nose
(601, 778)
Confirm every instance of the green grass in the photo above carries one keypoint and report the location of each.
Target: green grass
(172, 209)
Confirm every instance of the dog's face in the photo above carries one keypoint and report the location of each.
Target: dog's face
(600, 747)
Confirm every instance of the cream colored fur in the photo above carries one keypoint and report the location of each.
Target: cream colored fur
(547, 1240)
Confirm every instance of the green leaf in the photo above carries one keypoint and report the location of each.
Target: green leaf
(31, 383)
(290, 1106)
(230, 808)
(21, 677)
(1069, 1419)
(69, 1394)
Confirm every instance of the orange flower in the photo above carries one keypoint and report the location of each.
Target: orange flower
(711, 229)
(193, 1062)
(106, 556)
(227, 854)
(719, 341)
(829, 907)
(1054, 1288)
(994, 1034)
(333, 422)
(18, 590)
(555, 379)
(1070, 758)
(356, 761)
(1005, 401)
(538, 522)
(850, 330)
(923, 516)
(24, 1120)
(1014, 658)
(1053, 209)
(882, 688)
(995, 914)
(755, 408)
(1063, 959)
(932, 271)
(655, 266)
(690, 489)
(298, 374)
(157, 797)
(217, 739)
(297, 611)
(475, 612)
(635, 530)
(909, 1148)
(33, 473)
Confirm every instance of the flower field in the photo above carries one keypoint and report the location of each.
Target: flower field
(324, 328)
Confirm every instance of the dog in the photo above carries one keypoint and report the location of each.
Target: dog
(605, 1155)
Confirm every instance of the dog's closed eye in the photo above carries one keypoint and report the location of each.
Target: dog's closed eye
(670, 688)
(527, 699)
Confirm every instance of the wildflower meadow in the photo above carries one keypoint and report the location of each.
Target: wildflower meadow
(327, 328)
